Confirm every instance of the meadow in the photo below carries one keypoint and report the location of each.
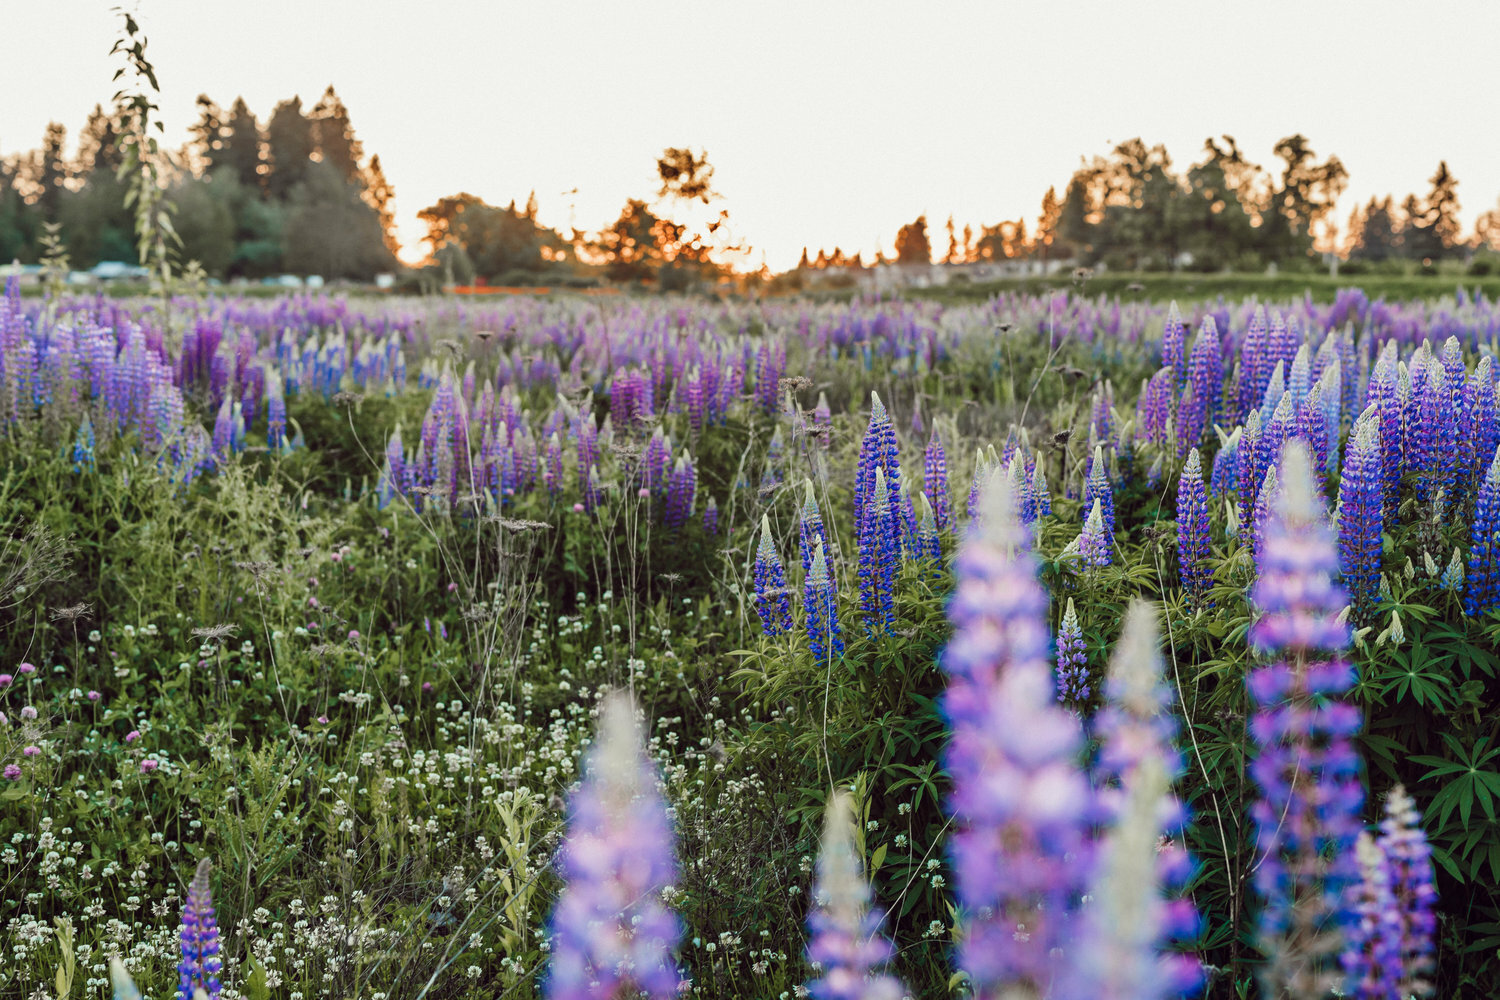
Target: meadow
(336, 593)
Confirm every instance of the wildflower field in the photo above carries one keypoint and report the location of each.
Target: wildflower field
(1044, 647)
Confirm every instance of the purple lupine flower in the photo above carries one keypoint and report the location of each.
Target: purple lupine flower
(871, 455)
(655, 462)
(1482, 583)
(1154, 407)
(1275, 432)
(552, 466)
(1020, 488)
(847, 947)
(1226, 472)
(1095, 544)
(83, 446)
(1039, 491)
(1022, 808)
(1194, 569)
(772, 602)
(682, 488)
(711, 517)
(1138, 909)
(1361, 503)
(1408, 857)
(879, 550)
(1311, 427)
(1265, 506)
(1191, 421)
(775, 459)
(611, 934)
(929, 545)
(1372, 951)
(199, 967)
(1306, 769)
(1251, 472)
(1255, 364)
(769, 368)
(1074, 683)
(1480, 404)
(823, 420)
(1299, 376)
(1097, 489)
(1206, 371)
(935, 481)
(1174, 345)
(1435, 436)
(1385, 395)
(1101, 416)
(1275, 389)
(809, 525)
(977, 484)
(821, 603)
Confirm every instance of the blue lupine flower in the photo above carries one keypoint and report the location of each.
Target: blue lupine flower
(1194, 568)
(772, 600)
(1306, 769)
(820, 601)
(1361, 502)
(199, 967)
(847, 946)
(1138, 909)
(1482, 585)
(611, 934)
(1096, 488)
(935, 481)
(1075, 685)
(1021, 807)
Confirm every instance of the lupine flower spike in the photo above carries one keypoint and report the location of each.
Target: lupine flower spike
(1306, 769)
(847, 947)
(1094, 543)
(1021, 806)
(1074, 685)
(1482, 585)
(1192, 530)
(1122, 953)
(1361, 504)
(820, 601)
(198, 969)
(772, 601)
(611, 934)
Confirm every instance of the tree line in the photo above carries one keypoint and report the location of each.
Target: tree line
(1131, 210)
(295, 194)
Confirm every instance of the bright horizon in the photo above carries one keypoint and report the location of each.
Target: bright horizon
(831, 126)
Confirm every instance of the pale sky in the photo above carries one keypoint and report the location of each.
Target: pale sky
(827, 123)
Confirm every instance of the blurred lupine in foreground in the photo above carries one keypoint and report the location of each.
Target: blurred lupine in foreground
(1021, 806)
(772, 599)
(1130, 919)
(1360, 511)
(198, 969)
(1192, 530)
(1482, 585)
(1306, 769)
(847, 948)
(820, 598)
(1389, 940)
(611, 934)
(1074, 685)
